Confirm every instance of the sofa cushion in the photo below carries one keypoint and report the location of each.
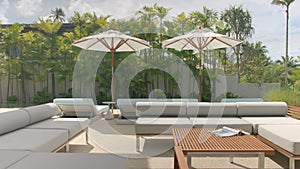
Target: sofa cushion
(127, 106)
(285, 136)
(72, 125)
(203, 109)
(214, 122)
(257, 121)
(42, 140)
(161, 109)
(242, 100)
(150, 125)
(11, 157)
(262, 108)
(13, 120)
(41, 112)
(70, 161)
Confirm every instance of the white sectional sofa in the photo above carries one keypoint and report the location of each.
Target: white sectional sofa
(37, 129)
(30, 136)
(160, 118)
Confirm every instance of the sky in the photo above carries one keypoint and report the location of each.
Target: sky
(268, 20)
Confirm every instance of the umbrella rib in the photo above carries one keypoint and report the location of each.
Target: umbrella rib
(122, 41)
(206, 44)
(224, 42)
(129, 45)
(93, 44)
(172, 43)
(79, 41)
(146, 44)
(103, 41)
(189, 40)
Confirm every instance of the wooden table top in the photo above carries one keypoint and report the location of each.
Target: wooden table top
(201, 140)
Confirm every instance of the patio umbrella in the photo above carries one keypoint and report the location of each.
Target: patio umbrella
(199, 40)
(112, 41)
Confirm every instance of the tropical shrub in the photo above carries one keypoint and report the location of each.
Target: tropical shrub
(42, 96)
(226, 95)
(284, 95)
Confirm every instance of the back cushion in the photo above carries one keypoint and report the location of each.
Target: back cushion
(129, 105)
(202, 109)
(41, 112)
(161, 109)
(183, 100)
(76, 106)
(262, 108)
(13, 120)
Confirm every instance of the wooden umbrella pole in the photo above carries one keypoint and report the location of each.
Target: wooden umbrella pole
(200, 75)
(112, 76)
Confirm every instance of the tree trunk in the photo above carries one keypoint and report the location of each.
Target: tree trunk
(286, 46)
(8, 82)
(23, 80)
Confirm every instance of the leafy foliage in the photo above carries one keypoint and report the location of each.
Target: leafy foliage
(284, 95)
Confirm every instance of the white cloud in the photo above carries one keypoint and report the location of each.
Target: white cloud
(29, 7)
(3, 9)
(116, 8)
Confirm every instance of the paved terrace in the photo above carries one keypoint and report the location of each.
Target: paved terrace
(104, 136)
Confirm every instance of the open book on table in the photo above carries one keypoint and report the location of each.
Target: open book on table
(227, 132)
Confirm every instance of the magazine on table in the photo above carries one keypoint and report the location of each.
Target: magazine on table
(227, 132)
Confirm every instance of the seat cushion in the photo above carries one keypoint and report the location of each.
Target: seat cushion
(261, 109)
(72, 125)
(149, 125)
(257, 121)
(42, 140)
(10, 157)
(285, 136)
(41, 112)
(70, 161)
(203, 109)
(213, 122)
(13, 120)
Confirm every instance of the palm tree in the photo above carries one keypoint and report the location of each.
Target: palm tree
(290, 64)
(240, 25)
(161, 12)
(206, 19)
(285, 3)
(51, 29)
(57, 15)
(80, 21)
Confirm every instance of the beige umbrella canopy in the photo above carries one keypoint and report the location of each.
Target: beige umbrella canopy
(199, 40)
(112, 41)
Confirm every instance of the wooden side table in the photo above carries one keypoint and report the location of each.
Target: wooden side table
(109, 114)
